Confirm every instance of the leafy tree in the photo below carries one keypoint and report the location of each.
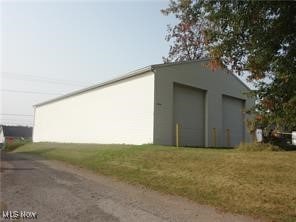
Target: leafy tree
(254, 38)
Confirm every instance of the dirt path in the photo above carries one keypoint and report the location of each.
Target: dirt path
(60, 192)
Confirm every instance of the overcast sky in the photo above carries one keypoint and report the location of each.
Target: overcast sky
(49, 48)
(56, 47)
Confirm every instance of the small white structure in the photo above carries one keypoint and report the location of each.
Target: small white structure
(294, 138)
(144, 106)
(259, 135)
(2, 138)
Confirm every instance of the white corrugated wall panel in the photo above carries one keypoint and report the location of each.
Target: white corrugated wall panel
(118, 113)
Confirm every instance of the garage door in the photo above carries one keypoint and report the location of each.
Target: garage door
(189, 113)
(233, 121)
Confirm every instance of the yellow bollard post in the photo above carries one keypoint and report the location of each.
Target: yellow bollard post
(228, 137)
(214, 139)
(177, 135)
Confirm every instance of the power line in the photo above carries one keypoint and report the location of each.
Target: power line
(14, 114)
(17, 124)
(1, 118)
(28, 77)
(17, 120)
(28, 92)
(10, 74)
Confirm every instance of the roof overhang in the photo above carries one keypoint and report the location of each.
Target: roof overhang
(127, 76)
(77, 92)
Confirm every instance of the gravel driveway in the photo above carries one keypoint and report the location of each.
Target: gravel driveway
(60, 192)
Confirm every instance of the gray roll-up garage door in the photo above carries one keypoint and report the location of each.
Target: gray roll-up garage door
(189, 113)
(233, 121)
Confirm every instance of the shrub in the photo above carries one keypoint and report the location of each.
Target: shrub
(258, 147)
(12, 146)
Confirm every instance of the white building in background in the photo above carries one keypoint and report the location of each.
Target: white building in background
(2, 138)
(145, 106)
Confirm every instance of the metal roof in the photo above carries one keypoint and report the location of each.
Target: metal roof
(126, 76)
(123, 77)
(17, 131)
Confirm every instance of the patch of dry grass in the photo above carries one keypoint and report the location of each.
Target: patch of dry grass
(255, 183)
(258, 147)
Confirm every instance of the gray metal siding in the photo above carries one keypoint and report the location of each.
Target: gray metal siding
(233, 120)
(197, 75)
(189, 113)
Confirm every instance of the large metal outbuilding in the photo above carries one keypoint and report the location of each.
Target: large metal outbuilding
(185, 103)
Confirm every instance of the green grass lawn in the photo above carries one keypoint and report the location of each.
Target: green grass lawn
(260, 184)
